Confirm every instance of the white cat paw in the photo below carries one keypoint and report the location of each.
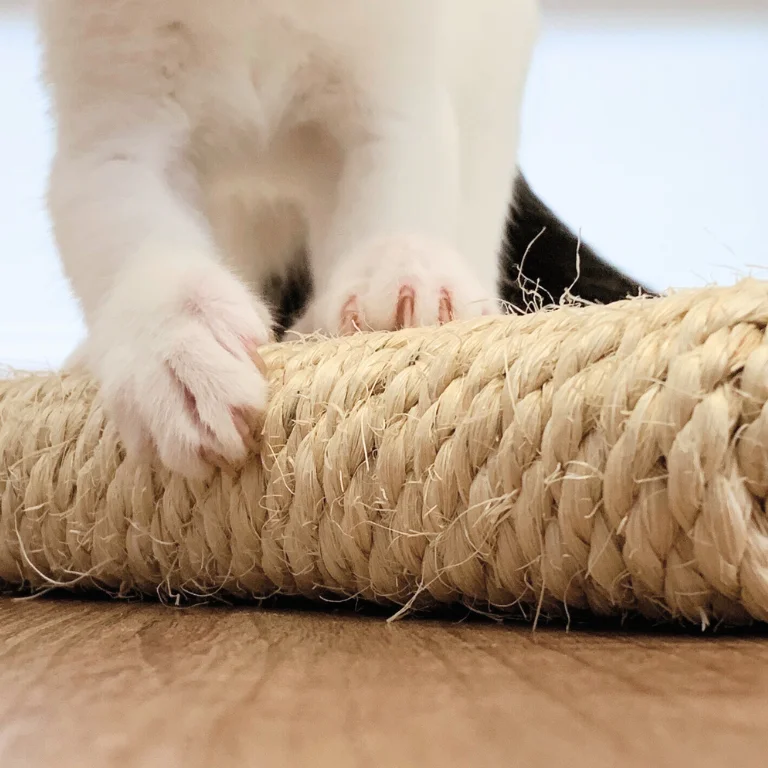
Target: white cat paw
(401, 282)
(175, 349)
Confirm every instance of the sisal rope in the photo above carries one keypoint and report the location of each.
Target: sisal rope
(608, 459)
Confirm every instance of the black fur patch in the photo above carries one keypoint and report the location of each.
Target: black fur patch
(289, 294)
(541, 255)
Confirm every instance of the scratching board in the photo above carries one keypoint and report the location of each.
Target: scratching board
(612, 460)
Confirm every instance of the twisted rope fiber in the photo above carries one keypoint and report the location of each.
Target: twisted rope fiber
(609, 459)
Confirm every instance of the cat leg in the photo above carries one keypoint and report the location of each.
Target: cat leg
(172, 335)
(383, 246)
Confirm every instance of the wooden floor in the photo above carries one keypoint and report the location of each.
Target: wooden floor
(100, 685)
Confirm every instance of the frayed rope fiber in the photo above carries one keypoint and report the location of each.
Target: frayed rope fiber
(608, 459)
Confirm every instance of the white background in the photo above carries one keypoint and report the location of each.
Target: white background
(647, 131)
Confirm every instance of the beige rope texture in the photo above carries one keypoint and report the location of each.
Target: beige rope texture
(612, 459)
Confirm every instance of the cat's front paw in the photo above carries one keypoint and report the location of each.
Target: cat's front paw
(401, 282)
(175, 350)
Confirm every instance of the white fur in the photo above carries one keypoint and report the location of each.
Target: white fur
(201, 143)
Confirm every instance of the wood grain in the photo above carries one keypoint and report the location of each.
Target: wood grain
(115, 685)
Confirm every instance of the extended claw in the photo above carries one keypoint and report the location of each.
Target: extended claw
(351, 322)
(445, 311)
(406, 308)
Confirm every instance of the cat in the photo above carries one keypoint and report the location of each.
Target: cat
(212, 155)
